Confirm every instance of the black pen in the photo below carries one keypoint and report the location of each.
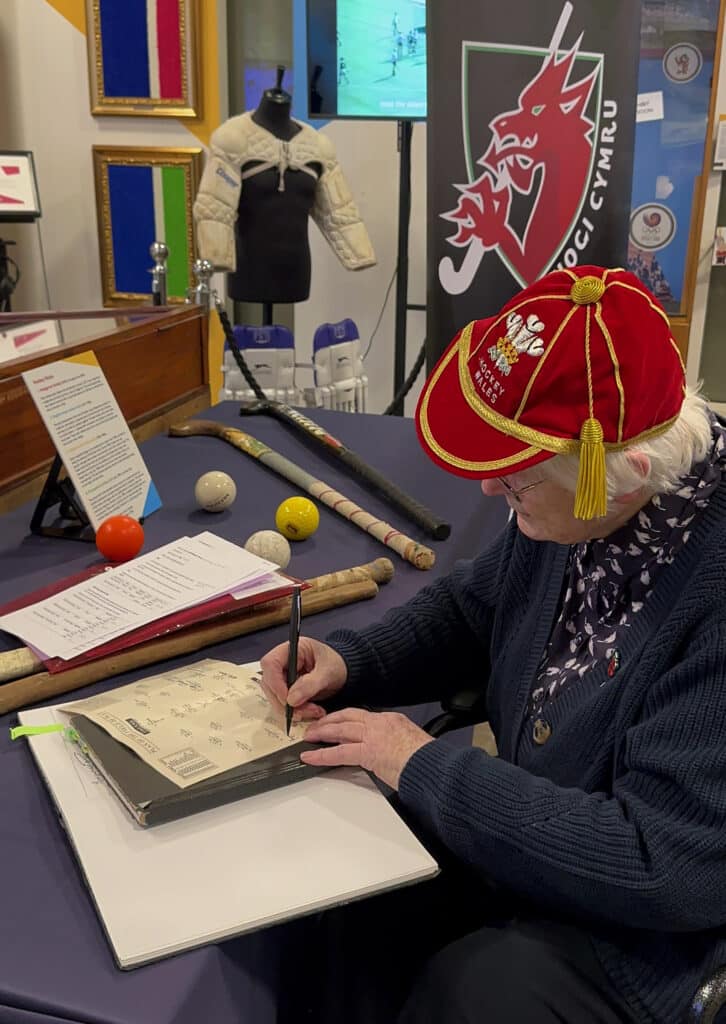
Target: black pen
(295, 619)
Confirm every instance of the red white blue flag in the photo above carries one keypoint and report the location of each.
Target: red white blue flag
(142, 45)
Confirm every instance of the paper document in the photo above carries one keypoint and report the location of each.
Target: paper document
(194, 722)
(649, 107)
(178, 575)
(258, 586)
(253, 863)
(719, 160)
(92, 438)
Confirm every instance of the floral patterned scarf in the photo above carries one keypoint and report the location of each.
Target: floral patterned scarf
(608, 581)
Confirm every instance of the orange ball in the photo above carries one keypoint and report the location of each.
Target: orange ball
(120, 538)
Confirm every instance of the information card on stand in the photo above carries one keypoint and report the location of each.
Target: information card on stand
(92, 438)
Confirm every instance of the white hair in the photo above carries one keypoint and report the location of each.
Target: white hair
(671, 456)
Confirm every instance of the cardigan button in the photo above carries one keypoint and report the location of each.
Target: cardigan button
(541, 732)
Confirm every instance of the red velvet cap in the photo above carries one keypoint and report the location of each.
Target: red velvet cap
(579, 363)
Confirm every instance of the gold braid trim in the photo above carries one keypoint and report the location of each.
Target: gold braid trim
(536, 441)
(448, 457)
(484, 340)
(631, 288)
(616, 367)
(536, 438)
(542, 360)
(678, 353)
(612, 270)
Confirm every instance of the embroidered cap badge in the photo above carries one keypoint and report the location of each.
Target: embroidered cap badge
(521, 337)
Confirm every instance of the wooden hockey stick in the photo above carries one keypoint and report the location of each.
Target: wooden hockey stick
(330, 591)
(410, 550)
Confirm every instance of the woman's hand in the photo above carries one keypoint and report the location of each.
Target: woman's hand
(380, 742)
(321, 673)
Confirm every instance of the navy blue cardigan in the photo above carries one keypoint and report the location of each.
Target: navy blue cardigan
(619, 818)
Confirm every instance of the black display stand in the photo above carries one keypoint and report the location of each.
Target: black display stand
(405, 134)
(28, 216)
(71, 521)
(7, 281)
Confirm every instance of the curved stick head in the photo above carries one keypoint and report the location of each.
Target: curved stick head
(254, 408)
(195, 427)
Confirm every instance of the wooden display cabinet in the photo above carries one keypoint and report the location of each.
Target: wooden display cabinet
(157, 368)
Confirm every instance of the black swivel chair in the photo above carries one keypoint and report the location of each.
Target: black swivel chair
(466, 709)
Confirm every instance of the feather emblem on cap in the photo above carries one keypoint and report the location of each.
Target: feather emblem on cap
(521, 337)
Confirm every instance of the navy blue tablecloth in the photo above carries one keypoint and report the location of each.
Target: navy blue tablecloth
(55, 964)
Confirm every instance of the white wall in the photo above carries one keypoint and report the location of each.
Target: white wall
(368, 154)
(44, 72)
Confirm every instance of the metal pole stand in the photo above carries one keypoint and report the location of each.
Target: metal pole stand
(202, 294)
(159, 253)
(8, 281)
(405, 132)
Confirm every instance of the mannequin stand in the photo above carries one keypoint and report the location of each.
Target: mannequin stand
(405, 134)
(8, 280)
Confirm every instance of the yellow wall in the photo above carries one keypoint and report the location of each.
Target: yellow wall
(201, 128)
(73, 10)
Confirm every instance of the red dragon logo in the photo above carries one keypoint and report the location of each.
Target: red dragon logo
(542, 149)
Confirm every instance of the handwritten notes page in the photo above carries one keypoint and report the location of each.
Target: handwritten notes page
(175, 576)
(193, 722)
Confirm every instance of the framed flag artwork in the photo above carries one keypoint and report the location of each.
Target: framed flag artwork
(144, 195)
(143, 57)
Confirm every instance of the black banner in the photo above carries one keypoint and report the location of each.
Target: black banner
(530, 147)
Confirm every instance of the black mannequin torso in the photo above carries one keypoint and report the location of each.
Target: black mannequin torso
(271, 239)
(273, 114)
(271, 232)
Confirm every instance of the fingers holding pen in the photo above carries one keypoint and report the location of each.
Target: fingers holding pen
(321, 673)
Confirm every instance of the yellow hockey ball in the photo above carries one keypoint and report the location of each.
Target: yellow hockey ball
(297, 518)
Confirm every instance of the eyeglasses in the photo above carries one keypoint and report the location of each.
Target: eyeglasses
(515, 493)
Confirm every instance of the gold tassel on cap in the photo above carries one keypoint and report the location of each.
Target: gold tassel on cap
(591, 496)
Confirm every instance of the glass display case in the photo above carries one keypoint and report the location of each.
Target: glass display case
(23, 338)
(156, 365)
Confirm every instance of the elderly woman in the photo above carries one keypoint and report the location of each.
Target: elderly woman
(589, 858)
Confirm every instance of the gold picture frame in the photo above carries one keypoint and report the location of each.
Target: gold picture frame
(145, 195)
(144, 60)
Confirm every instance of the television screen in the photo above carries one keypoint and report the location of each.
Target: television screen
(367, 59)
